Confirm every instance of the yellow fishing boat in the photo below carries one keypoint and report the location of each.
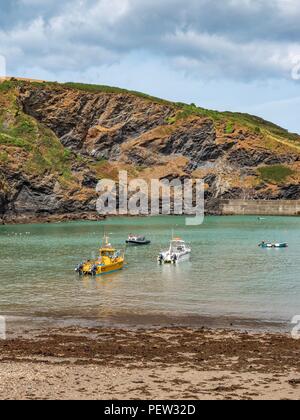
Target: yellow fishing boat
(109, 261)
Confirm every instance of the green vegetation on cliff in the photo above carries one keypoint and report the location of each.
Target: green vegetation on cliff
(275, 174)
(45, 153)
(114, 90)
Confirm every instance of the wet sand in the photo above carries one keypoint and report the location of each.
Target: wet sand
(166, 363)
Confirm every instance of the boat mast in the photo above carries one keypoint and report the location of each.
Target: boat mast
(105, 238)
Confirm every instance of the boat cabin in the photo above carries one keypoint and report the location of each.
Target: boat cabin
(107, 252)
(177, 245)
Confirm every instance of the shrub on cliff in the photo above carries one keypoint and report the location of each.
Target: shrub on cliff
(275, 174)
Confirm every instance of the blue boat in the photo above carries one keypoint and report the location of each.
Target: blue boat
(275, 245)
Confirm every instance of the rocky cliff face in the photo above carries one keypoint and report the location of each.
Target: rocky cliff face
(57, 141)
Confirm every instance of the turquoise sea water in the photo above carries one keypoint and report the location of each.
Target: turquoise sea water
(228, 274)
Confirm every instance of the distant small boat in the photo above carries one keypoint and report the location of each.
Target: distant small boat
(177, 252)
(137, 240)
(275, 245)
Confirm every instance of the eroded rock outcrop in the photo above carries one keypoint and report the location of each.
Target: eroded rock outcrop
(98, 133)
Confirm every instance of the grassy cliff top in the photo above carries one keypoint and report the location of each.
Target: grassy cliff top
(232, 120)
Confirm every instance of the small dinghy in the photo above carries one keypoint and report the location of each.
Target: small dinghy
(275, 245)
(137, 240)
(177, 252)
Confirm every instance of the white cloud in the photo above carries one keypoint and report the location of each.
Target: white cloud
(216, 55)
(246, 39)
(289, 7)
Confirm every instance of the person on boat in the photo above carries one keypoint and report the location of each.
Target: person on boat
(174, 258)
(79, 268)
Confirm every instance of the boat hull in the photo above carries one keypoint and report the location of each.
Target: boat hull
(180, 258)
(273, 246)
(91, 269)
(115, 270)
(138, 243)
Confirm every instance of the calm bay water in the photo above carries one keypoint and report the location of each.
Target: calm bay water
(228, 274)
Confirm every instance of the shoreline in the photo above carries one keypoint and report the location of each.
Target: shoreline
(93, 217)
(54, 218)
(17, 324)
(165, 363)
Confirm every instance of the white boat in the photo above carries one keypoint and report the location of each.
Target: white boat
(177, 252)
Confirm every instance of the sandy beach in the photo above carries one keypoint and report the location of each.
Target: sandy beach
(167, 363)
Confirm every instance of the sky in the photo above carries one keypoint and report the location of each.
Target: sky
(236, 55)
